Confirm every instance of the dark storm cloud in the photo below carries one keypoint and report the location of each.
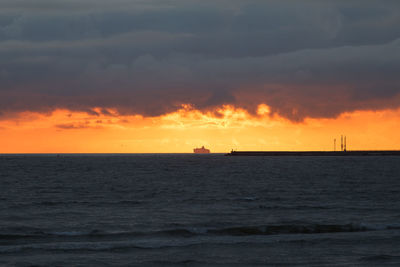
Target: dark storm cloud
(71, 126)
(303, 58)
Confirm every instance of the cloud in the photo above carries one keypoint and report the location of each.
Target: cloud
(72, 126)
(303, 58)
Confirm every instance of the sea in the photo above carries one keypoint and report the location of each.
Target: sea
(199, 210)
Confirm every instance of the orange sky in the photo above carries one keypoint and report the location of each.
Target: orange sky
(64, 131)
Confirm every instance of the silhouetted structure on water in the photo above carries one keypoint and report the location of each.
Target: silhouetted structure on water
(343, 152)
(201, 150)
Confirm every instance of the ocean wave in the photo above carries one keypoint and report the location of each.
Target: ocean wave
(118, 246)
(109, 246)
(381, 257)
(49, 203)
(201, 231)
(96, 233)
(288, 229)
(301, 229)
(174, 263)
(294, 207)
(66, 246)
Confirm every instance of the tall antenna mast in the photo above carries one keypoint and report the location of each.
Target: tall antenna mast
(345, 145)
(341, 143)
(334, 144)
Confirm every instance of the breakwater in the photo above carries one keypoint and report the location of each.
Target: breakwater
(317, 153)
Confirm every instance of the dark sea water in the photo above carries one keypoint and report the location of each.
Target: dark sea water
(199, 210)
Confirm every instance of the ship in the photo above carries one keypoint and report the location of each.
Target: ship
(201, 150)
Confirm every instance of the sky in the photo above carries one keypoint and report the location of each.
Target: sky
(147, 76)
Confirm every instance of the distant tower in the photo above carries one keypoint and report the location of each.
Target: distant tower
(345, 145)
(341, 143)
(334, 144)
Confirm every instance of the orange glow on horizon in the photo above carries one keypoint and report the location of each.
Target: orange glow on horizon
(221, 130)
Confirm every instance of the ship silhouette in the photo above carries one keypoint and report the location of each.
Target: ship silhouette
(201, 150)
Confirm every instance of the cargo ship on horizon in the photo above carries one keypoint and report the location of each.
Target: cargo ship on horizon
(201, 150)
